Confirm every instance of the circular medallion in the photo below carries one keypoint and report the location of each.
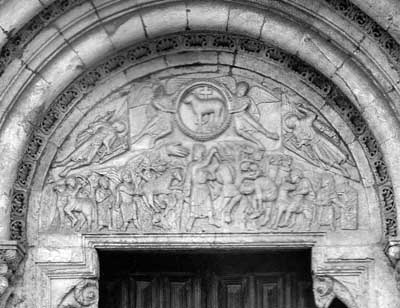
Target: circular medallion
(203, 110)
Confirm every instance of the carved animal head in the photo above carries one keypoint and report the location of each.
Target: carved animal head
(323, 291)
(188, 99)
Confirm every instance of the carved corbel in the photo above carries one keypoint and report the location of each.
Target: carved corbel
(393, 252)
(83, 295)
(11, 254)
(327, 288)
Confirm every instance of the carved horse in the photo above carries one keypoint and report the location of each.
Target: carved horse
(80, 210)
(160, 186)
(213, 108)
(290, 207)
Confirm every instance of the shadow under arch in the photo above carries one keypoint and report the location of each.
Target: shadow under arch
(337, 303)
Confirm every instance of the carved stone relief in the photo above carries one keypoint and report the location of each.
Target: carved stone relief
(84, 295)
(189, 154)
(74, 94)
(393, 252)
(326, 289)
(10, 258)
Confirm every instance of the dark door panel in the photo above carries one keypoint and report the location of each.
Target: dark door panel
(205, 281)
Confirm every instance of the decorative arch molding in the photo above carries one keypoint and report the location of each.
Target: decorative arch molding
(181, 43)
(55, 13)
(315, 64)
(16, 42)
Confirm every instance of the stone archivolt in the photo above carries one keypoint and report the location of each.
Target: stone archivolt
(328, 154)
(295, 176)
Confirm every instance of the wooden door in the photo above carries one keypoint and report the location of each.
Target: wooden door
(271, 280)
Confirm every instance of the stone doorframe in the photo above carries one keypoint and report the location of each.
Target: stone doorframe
(76, 283)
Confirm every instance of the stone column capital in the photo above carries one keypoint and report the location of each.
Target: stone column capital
(11, 255)
(392, 250)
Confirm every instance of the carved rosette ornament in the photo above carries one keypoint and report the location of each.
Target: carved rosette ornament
(84, 295)
(327, 288)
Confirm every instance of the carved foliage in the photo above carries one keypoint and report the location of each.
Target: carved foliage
(84, 294)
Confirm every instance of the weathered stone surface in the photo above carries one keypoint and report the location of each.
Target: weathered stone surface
(198, 140)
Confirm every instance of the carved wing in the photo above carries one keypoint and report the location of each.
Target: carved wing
(260, 96)
(84, 135)
(140, 95)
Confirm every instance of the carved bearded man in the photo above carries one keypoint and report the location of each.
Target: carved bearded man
(196, 187)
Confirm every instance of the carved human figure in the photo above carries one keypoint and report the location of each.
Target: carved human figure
(93, 143)
(302, 199)
(312, 145)
(283, 203)
(160, 185)
(79, 209)
(348, 196)
(196, 187)
(226, 176)
(327, 201)
(62, 195)
(245, 124)
(160, 125)
(126, 201)
(104, 201)
(264, 193)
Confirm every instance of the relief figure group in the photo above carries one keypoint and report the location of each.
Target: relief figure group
(202, 184)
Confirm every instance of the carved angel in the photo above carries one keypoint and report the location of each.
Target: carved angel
(244, 122)
(160, 125)
(94, 143)
(304, 139)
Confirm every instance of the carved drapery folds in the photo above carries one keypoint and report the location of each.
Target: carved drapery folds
(305, 136)
(204, 155)
(327, 288)
(83, 295)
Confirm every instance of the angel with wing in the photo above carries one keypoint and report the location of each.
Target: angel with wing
(94, 143)
(159, 125)
(244, 122)
(304, 139)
